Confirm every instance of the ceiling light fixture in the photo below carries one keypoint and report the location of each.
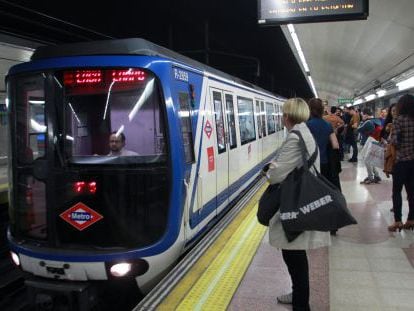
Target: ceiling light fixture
(370, 97)
(358, 101)
(296, 42)
(313, 86)
(406, 84)
(381, 93)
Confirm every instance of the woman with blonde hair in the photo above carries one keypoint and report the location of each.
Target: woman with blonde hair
(289, 157)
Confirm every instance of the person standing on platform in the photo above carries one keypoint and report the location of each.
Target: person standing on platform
(383, 116)
(334, 119)
(403, 139)
(328, 144)
(368, 128)
(289, 156)
(338, 125)
(351, 133)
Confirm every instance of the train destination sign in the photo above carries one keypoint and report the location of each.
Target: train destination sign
(276, 12)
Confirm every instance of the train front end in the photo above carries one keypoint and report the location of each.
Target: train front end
(86, 210)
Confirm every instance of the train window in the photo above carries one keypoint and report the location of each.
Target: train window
(30, 127)
(231, 121)
(270, 114)
(263, 117)
(30, 124)
(259, 119)
(218, 113)
(246, 120)
(186, 131)
(112, 116)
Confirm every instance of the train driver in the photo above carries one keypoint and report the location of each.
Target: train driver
(117, 144)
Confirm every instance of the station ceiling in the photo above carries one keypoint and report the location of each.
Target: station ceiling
(345, 58)
(356, 57)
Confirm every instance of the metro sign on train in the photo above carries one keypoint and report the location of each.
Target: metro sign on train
(81, 216)
(208, 129)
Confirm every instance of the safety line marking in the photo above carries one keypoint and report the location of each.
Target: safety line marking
(222, 278)
(168, 293)
(187, 283)
(211, 284)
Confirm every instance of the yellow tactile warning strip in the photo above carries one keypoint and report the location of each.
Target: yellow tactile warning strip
(213, 280)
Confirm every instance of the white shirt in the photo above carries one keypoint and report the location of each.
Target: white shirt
(123, 153)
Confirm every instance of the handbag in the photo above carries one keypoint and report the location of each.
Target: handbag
(390, 157)
(310, 202)
(268, 204)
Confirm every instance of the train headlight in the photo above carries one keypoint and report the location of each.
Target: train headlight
(120, 269)
(126, 268)
(15, 258)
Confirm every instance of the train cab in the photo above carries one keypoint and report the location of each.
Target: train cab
(66, 168)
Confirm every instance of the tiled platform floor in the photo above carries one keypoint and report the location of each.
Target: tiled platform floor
(366, 268)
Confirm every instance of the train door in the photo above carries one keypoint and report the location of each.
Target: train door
(222, 153)
(261, 127)
(234, 160)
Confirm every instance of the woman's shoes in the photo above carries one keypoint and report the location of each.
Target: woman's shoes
(396, 226)
(285, 299)
(409, 225)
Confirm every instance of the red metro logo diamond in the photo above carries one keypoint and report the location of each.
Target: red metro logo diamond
(208, 129)
(80, 216)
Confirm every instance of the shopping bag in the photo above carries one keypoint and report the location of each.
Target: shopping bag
(364, 151)
(375, 154)
(268, 204)
(310, 202)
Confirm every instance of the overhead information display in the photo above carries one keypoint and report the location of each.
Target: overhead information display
(310, 11)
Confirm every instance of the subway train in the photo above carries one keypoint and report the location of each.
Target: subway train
(123, 153)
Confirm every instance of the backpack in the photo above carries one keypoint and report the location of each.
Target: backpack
(376, 133)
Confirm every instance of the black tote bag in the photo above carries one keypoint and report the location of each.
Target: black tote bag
(269, 202)
(311, 203)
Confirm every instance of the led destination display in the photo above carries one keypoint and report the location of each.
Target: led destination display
(310, 11)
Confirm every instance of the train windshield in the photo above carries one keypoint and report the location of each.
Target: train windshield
(112, 117)
(91, 162)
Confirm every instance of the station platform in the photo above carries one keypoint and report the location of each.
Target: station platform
(365, 268)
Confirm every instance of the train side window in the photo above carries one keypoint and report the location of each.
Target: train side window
(31, 124)
(186, 129)
(231, 121)
(259, 120)
(263, 117)
(270, 114)
(218, 113)
(246, 120)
